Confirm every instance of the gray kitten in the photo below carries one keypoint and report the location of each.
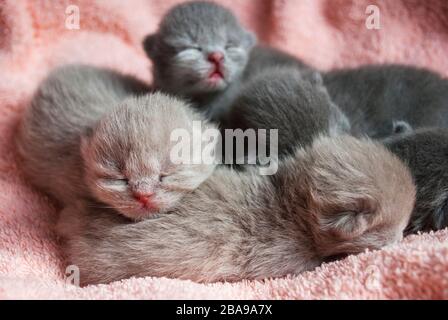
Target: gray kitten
(201, 52)
(339, 196)
(384, 98)
(425, 151)
(375, 96)
(87, 134)
(281, 98)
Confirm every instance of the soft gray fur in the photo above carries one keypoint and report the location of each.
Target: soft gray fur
(180, 48)
(425, 151)
(87, 134)
(340, 196)
(384, 98)
(373, 97)
(281, 98)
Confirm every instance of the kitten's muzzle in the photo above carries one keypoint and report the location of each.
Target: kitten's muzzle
(145, 198)
(216, 57)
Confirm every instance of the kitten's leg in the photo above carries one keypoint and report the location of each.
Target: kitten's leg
(106, 248)
(399, 130)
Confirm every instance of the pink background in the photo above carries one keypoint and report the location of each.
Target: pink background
(325, 33)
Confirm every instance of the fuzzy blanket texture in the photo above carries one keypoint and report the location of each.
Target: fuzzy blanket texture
(325, 33)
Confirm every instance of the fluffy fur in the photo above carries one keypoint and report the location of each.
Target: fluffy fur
(373, 97)
(86, 134)
(181, 47)
(382, 101)
(425, 151)
(340, 196)
(187, 35)
(281, 98)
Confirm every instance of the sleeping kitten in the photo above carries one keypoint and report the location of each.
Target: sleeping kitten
(374, 96)
(425, 151)
(87, 134)
(280, 98)
(201, 52)
(339, 196)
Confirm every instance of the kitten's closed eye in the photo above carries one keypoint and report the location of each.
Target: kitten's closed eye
(188, 55)
(111, 177)
(112, 180)
(117, 185)
(162, 176)
(185, 48)
(231, 45)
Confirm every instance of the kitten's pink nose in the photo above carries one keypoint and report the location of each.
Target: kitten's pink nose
(143, 197)
(215, 57)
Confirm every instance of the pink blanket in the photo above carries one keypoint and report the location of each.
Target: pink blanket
(325, 33)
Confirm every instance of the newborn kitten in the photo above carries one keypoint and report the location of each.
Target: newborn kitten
(374, 96)
(280, 98)
(426, 153)
(201, 52)
(86, 134)
(339, 196)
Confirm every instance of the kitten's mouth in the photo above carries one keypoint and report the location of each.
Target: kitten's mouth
(147, 206)
(216, 76)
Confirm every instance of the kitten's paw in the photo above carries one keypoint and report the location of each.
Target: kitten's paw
(401, 127)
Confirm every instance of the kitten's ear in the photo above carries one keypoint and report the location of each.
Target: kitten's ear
(352, 222)
(150, 44)
(251, 39)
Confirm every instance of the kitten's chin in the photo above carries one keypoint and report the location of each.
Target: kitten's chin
(214, 83)
(141, 213)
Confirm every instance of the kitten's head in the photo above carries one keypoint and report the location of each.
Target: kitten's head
(426, 153)
(357, 195)
(295, 103)
(199, 47)
(128, 156)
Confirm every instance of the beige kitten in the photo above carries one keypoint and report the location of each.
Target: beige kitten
(339, 196)
(88, 134)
